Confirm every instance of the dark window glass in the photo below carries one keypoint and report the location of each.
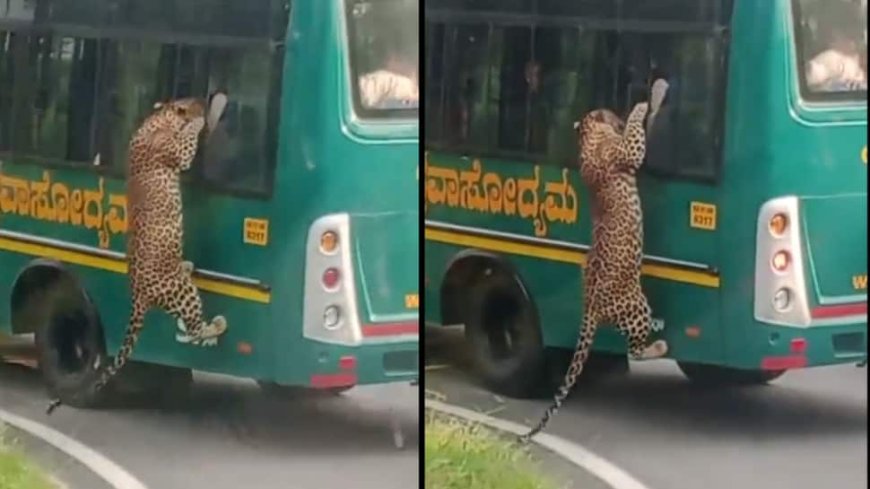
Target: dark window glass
(566, 58)
(384, 46)
(683, 135)
(55, 98)
(93, 13)
(435, 42)
(239, 152)
(669, 10)
(517, 78)
(80, 99)
(516, 90)
(831, 38)
(6, 86)
(508, 6)
(465, 104)
(600, 9)
(232, 18)
(131, 83)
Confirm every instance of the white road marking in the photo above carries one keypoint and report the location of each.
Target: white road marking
(107, 470)
(574, 453)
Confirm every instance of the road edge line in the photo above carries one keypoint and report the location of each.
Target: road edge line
(575, 453)
(99, 464)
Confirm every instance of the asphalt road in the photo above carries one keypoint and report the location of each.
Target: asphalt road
(230, 436)
(807, 430)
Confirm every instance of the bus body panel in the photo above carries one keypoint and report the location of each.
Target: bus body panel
(785, 147)
(321, 168)
(774, 145)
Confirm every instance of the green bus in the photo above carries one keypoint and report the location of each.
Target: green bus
(301, 210)
(754, 186)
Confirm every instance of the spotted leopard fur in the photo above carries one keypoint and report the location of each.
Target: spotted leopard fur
(163, 146)
(609, 160)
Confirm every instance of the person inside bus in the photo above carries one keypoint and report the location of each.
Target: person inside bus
(842, 66)
(393, 84)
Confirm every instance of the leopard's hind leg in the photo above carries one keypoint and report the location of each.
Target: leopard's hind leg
(185, 305)
(635, 323)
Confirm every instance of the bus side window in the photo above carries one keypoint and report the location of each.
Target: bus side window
(238, 152)
(56, 98)
(517, 81)
(129, 88)
(6, 60)
(434, 80)
(565, 58)
(682, 139)
(466, 91)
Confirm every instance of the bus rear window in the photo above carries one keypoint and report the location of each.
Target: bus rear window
(831, 38)
(384, 54)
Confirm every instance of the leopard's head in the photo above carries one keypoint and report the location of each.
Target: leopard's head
(178, 124)
(599, 119)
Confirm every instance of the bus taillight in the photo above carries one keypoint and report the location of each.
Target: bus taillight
(331, 278)
(782, 299)
(780, 283)
(778, 224)
(330, 312)
(780, 261)
(332, 317)
(328, 242)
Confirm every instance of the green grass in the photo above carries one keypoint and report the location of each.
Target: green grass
(16, 471)
(462, 455)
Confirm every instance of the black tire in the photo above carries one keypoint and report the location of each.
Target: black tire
(716, 376)
(71, 347)
(290, 392)
(501, 329)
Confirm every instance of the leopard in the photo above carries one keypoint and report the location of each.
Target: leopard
(163, 146)
(611, 153)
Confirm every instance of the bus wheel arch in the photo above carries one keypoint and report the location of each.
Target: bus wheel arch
(48, 300)
(485, 292)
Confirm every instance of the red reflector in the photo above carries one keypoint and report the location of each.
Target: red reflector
(391, 329)
(325, 381)
(839, 310)
(783, 363)
(347, 363)
(798, 345)
(330, 278)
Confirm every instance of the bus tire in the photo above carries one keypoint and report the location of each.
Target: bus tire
(503, 336)
(71, 348)
(292, 392)
(714, 375)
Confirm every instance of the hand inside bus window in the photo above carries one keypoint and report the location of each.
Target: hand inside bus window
(839, 68)
(832, 37)
(384, 56)
(393, 86)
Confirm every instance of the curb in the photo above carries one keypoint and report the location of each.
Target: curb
(104, 468)
(570, 451)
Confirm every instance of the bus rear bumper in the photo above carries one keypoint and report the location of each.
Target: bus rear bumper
(337, 366)
(792, 348)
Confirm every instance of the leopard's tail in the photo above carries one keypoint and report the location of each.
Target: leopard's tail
(581, 353)
(130, 339)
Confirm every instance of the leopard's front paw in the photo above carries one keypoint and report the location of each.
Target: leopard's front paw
(187, 267)
(639, 111)
(657, 349)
